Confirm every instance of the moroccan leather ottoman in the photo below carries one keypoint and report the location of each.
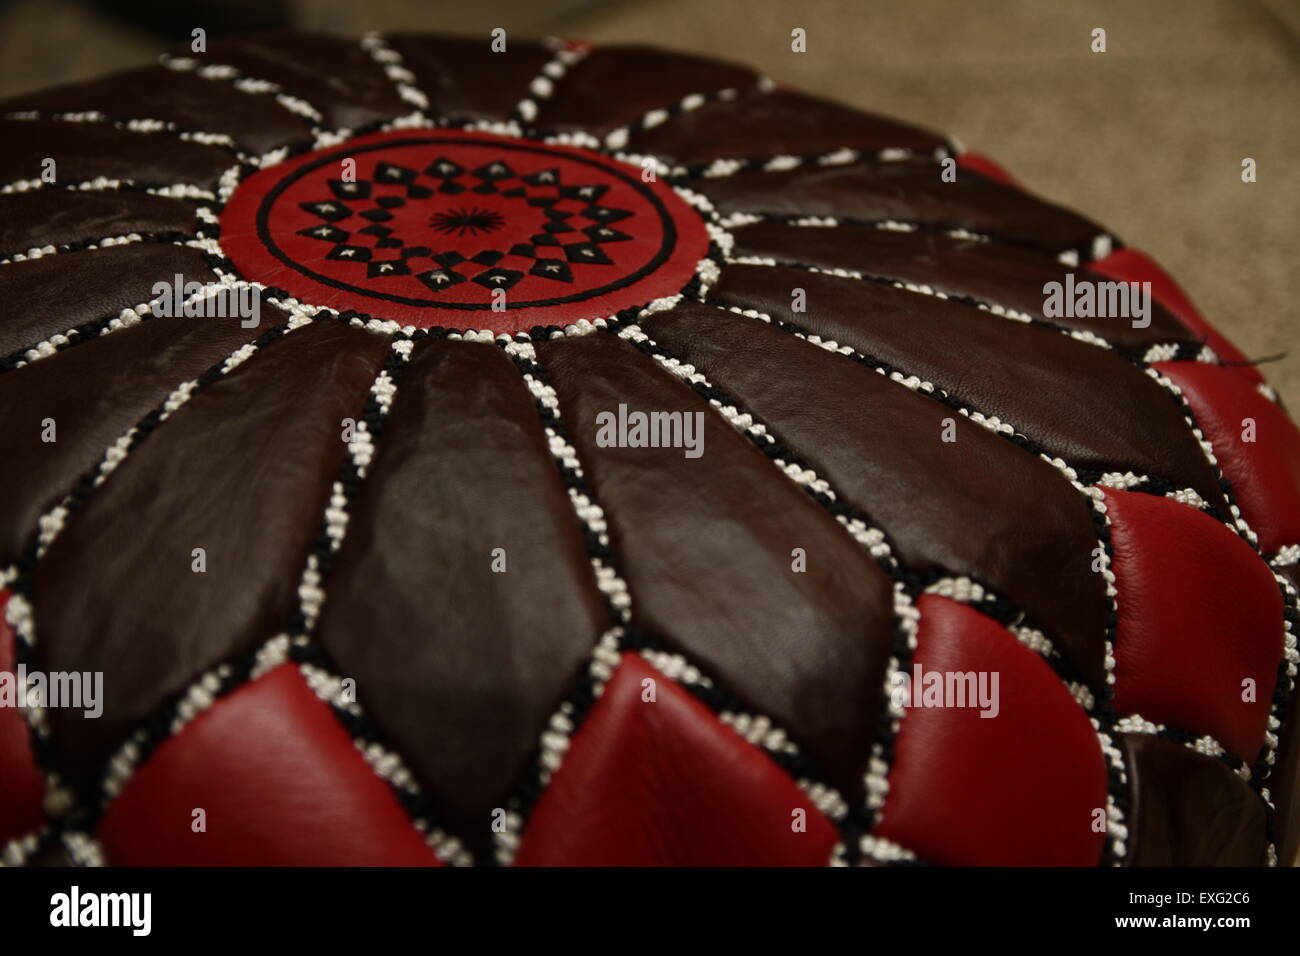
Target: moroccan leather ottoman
(419, 454)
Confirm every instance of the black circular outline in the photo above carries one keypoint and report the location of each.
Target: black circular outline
(666, 249)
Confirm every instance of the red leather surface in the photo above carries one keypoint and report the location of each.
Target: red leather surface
(1020, 788)
(280, 781)
(981, 164)
(21, 787)
(667, 783)
(1265, 473)
(1199, 613)
(655, 240)
(1133, 265)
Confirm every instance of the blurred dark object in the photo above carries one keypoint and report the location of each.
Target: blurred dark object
(174, 21)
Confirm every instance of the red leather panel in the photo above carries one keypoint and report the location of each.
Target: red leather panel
(280, 781)
(1199, 613)
(537, 220)
(1265, 473)
(1018, 788)
(666, 782)
(979, 163)
(21, 787)
(1133, 265)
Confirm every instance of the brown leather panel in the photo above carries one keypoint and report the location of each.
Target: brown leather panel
(242, 470)
(256, 122)
(463, 469)
(55, 217)
(1187, 809)
(978, 505)
(617, 85)
(84, 151)
(994, 273)
(335, 75)
(464, 79)
(1043, 383)
(53, 294)
(906, 192)
(705, 546)
(94, 393)
(757, 125)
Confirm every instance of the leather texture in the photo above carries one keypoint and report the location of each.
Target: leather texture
(997, 815)
(1204, 607)
(87, 151)
(707, 547)
(264, 759)
(1189, 810)
(54, 294)
(909, 192)
(1256, 443)
(65, 218)
(1042, 381)
(982, 507)
(482, 632)
(245, 476)
(664, 782)
(463, 456)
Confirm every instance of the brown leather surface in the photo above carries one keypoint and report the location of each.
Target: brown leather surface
(257, 123)
(905, 192)
(486, 655)
(1187, 809)
(464, 79)
(641, 79)
(757, 124)
(706, 549)
(976, 506)
(94, 394)
(58, 217)
(992, 273)
(50, 295)
(333, 74)
(1041, 382)
(243, 471)
(84, 151)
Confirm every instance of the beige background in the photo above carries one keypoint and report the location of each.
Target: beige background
(1147, 138)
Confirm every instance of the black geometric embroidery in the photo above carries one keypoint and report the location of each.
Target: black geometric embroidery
(440, 279)
(552, 269)
(605, 234)
(498, 278)
(389, 267)
(389, 173)
(327, 233)
(470, 221)
(586, 252)
(443, 168)
(349, 190)
(391, 187)
(329, 211)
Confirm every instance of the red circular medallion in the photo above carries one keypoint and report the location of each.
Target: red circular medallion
(463, 230)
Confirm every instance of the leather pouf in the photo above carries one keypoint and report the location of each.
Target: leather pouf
(422, 454)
